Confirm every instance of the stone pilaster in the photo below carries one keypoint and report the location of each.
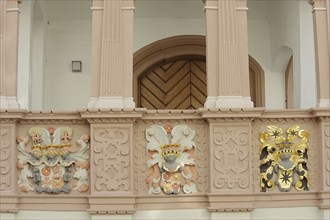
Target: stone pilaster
(241, 10)
(9, 13)
(324, 158)
(230, 156)
(113, 75)
(328, 13)
(212, 54)
(97, 21)
(227, 53)
(8, 155)
(112, 176)
(322, 51)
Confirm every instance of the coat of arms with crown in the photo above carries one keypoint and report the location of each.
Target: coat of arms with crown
(51, 162)
(170, 161)
(284, 156)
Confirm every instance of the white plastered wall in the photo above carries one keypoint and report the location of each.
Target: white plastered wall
(50, 38)
(24, 53)
(282, 27)
(156, 20)
(198, 214)
(38, 59)
(67, 41)
(286, 23)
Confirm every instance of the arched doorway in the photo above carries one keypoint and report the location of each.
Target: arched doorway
(171, 74)
(257, 83)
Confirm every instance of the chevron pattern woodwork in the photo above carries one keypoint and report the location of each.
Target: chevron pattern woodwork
(179, 84)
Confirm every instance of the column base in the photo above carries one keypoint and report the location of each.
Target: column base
(210, 102)
(7, 102)
(323, 103)
(228, 102)
(92, 102)
(129, 103)
(111, 102)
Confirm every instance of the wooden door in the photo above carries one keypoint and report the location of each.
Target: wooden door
(179, 84)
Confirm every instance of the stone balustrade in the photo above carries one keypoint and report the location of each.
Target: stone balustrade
(98, 160)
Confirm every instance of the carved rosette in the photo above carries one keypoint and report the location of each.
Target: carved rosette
(111, 158)
(231, 157)
(49, 162)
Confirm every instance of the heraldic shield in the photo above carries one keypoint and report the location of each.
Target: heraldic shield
(171, 164)
(286, 157)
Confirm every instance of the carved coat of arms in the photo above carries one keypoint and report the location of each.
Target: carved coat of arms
(171, 165)
(284, 156)
(50, 163)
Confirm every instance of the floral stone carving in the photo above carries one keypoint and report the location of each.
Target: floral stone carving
(286, 157)
(171, 154)
(51, 164)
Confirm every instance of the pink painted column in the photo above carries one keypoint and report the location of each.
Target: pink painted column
(9, 13)
(322, 51)
(3, 7)
(97, 21)
(228, 70)
(127, 13)
(241, 10)
(113, 47)
(211, 13)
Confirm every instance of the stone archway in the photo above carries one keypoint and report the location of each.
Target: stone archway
(171, 73)
(257, 83)
(157, 84)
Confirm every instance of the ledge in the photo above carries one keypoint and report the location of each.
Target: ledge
(9, 204)
(154, 202)
(111, 205)
(111, 113)
(53, 202)
(12, 114)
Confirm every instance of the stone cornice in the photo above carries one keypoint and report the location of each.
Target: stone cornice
(172, 114)
(111, 115)
(321, 112)
(230, 114)
(11, 115)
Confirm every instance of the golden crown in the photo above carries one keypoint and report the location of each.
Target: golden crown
(285, 147)
(170, 149)
(285, 144)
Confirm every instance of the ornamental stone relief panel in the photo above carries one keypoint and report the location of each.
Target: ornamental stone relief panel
(111, 157)
(141, 158)
(327, 154)
(5, 158)
(171, 159)
(283, 159)
(313, 144)
(49, 161)
(231, 155)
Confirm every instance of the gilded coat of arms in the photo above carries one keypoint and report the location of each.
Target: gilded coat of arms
(286, 157)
